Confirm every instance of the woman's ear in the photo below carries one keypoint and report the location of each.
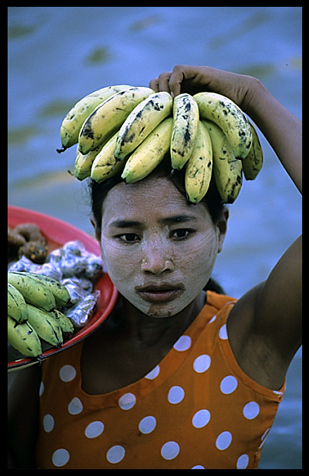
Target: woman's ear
(97, 229)
(222, 227)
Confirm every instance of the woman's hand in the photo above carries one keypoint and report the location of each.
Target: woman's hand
(192, 79)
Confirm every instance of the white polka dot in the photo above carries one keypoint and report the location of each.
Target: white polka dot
(41, 390)
(147, 425)
(242, 462)
(75, 406)
(176, 394)
(201, 418)
(223, 332)
(228, 384)
(183, 343)
(224, 440)
(170, 450)
(48, 423)
(202, 363)
(213, 319)
(153, 373)
(67, 373)
(198, 466)
(251, 410)
(60, 457)
(127, 401)
(94, 429)
(115, 454)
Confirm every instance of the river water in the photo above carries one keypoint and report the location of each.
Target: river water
(57, 55)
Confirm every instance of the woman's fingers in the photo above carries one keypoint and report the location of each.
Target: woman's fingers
(172, 81)
(161, 83)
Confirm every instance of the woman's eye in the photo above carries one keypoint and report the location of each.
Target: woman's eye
(129, 237)
(181, 234)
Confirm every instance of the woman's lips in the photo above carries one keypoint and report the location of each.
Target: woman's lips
(160, 293)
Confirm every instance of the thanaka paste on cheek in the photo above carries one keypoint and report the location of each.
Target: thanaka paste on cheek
(193, 258)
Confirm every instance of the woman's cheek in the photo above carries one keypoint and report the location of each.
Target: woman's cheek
(120, 261)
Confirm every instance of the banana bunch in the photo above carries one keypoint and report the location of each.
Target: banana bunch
(33, 300)
(129, 130)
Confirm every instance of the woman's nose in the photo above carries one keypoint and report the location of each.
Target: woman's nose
(156, 259)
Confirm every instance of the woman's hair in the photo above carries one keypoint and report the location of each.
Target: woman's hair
(212, 200)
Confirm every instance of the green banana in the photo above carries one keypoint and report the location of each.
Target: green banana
(109, 116)
(186, 120)
(33, 290)
(253, 163)
(76, 117)
(17, 308)
(64, 323)
(229, 117)
(45, 326)
(24, 338)
(144, 118)
(105, 165)
(149, 153)
(227, 169)
(60, 292)
(199, 166)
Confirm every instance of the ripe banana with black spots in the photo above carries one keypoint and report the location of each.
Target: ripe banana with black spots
(229, 117)
(254, 160)
(83, 163)
(75, 118)
(109, 116)
(144, 118)
(105, 165)
(33, 290)
(60, 292)
(127, 133)
(227, 169)
(24, 338)
(45, 326)
(199, 166)
(17, 308)
(185, 125)
(149, 153)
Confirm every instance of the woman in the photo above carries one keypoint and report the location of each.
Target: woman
(176, 377)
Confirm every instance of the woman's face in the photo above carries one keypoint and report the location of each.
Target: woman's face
(158, 250)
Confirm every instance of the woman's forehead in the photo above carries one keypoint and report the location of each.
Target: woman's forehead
(155, 196)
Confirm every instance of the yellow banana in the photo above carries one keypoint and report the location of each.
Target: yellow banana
(45, 326)
(105, 165)
(60, 292)
(144, 118)
(199, 167)
(149, 153)
(33, 290)
(76, 117)
(17, 308)
(227, 169)
(109, 116)
(254, 160)
(229, 117)
(64, 323)
(83, 163)
(186, 119)
(23, 338)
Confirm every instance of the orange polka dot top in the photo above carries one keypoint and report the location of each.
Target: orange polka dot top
(195, 409)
